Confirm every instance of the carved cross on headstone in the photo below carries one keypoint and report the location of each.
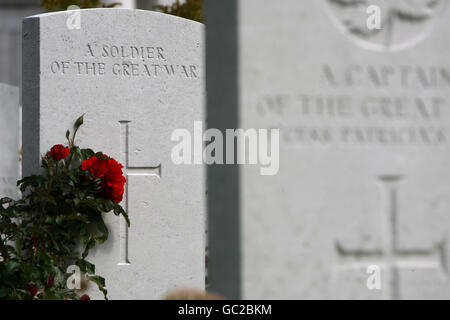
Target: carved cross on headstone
(391, 256)
(129, 172)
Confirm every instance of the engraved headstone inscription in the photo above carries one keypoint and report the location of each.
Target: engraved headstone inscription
(138, 76)
(360, 205)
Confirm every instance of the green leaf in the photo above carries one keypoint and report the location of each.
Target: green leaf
(89, 242)
(100, 283)
(76, 151)
(49, 220)
(10, 267)
(90, 203)
(43, 194)
(98, 280)
(31, 181)
(79, 122)
(101, 155)
(59, 219)
(86, 266)
(118, 210)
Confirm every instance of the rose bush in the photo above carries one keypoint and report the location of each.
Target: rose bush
(57, 221)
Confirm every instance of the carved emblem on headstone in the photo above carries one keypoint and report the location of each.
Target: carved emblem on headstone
(403, 23)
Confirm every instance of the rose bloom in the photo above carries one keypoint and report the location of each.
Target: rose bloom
(85, 297)
(96, 166)
(59, 152)
(32, 289)
(109, 171)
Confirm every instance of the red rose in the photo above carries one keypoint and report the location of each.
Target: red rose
(109, 171)
(50, 281)
(59, 152)
(113, 184)
(85, 297)
(32, 289)
(113, 188)
(96, 166)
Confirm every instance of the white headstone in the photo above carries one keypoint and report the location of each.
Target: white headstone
(9, 140)
(137, 75)
(364, 180)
